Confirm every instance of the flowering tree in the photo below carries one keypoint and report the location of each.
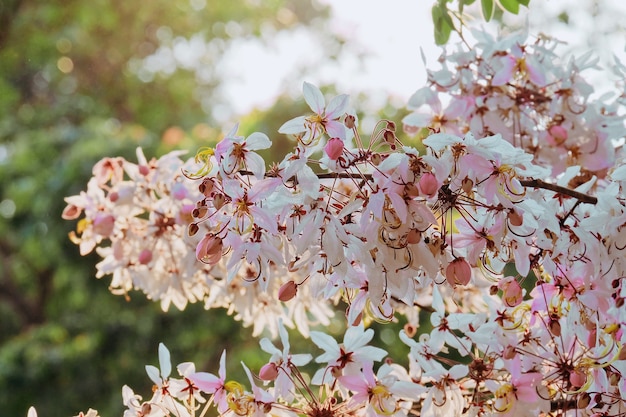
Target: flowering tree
(507, 231)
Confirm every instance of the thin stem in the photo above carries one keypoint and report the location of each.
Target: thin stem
(532, 183)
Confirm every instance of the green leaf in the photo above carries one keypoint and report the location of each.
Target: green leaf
(443, 24)
(467, 2)
(510, 5)
(487, 7)
(523, 2)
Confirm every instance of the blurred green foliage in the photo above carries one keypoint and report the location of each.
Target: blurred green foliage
(75, 87)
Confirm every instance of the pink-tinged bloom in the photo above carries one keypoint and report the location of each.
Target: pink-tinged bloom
(351, 354)
(215, 385)
(209, 249)
(236, 152)
(109, 169)
(324, 121)
(517, 65)
(521, 391)
(334, 148)
(383, 393)
(280, 365)
(513, 294)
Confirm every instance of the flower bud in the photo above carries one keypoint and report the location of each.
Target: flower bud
(390, 137)
(410, 330)
(428, 184)
(414, 236)
(583, 400)
(555, 327)
(287, 291)
(509, 352)
(558, 134)
(218, 201)
(209, 249)
(268, 372)
(145, 256)
(458, 272)
(144, 170)
(193, 229)
(114, 196)
(577, 378)
(350, 121)
(467, 185)
(206, 187)
(199, 212)
(71, 212)
(334, 148)
(103, 224)
(515, 219)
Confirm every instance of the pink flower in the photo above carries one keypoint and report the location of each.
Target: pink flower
(236, 152)
(216, 385)
(324, 121)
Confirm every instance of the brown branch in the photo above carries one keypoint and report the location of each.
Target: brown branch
(583, 198)
(533, 183)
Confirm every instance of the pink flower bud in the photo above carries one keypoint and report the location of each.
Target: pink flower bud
(209, 249)
(114, 196)
(145, 256)
(144, 170)
(103, 224)
(458, 272)
(287, 291)
(428, 184)
(577, 378)
(334, 148)
(558, 134)
(268, 372)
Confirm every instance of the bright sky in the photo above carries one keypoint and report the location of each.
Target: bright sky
(391, 34)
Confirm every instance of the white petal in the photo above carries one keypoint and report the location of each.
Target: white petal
(257, 141)
(314, 98)
(164, 361)
(337, 106)
(293, 126)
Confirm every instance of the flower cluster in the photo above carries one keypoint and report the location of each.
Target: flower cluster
(507, 232)
(523, 90)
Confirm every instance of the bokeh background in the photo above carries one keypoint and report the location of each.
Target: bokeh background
(80, 80)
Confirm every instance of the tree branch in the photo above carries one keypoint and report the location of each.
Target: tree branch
(533, 183)
(583, 198)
